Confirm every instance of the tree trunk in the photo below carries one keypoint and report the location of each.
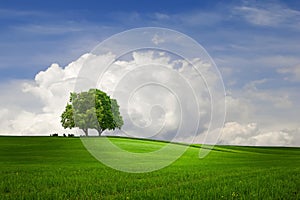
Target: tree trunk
(99, 131)
(85, 130)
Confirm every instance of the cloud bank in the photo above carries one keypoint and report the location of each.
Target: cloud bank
(33, 107)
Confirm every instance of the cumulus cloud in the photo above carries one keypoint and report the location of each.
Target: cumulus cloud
(250, 134)
(274, 108)
(235, 133)
(264, 117)
(159, 99)
(46, 98)
(159, 96)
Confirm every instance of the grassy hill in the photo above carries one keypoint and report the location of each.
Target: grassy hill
(61, 168)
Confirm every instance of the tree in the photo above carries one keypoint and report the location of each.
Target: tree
(93, 109)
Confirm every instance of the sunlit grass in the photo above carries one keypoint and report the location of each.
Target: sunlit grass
(61, 168)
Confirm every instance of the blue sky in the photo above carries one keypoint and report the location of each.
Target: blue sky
(36, 33)
(255, 44)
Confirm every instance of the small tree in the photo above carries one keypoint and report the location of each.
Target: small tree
(93, 109)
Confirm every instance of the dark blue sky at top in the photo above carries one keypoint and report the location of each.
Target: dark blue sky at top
(102, 7)
(108, 6)
(17, 46)
(35, 34)
(100, 11)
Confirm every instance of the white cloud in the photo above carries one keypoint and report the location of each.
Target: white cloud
(269, 15)
(53, 29)
(293, 73)
(46, 96)
(238, 108)
(155, 91)
(274, 109)
(161, 16)
(152, 108)
(250, 134)
(237, 134)
(260, 16)
(276, 138)
(277, 99)
(158, 107)
(157, 40)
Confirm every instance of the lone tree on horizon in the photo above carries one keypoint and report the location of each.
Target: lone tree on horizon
(93, 109)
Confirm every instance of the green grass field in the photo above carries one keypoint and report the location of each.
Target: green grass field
(61, 168)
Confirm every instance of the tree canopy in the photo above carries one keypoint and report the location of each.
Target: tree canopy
(93, 109)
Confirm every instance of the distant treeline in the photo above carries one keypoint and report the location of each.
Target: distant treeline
(64, 135)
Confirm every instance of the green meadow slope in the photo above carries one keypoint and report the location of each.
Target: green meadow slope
(61, 168)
